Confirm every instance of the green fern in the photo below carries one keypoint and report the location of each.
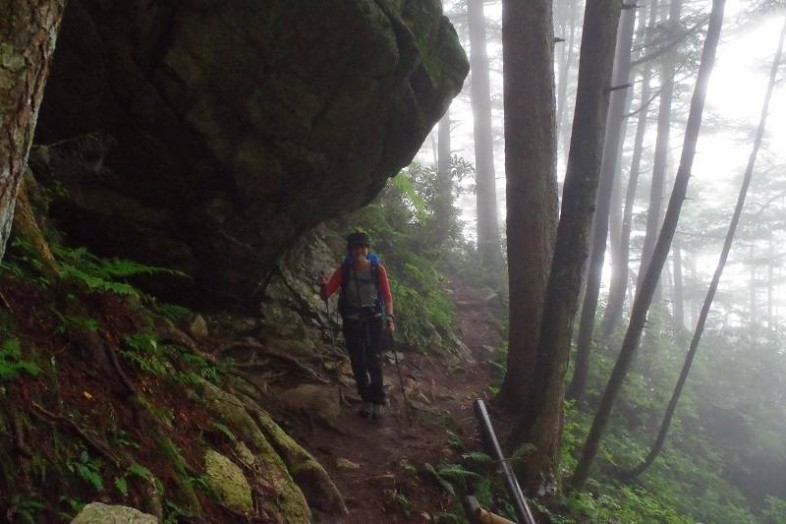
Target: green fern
(11, 363)
(105, 274)
(145, 352)
(88, 469)
(477, 457)
(443, 482)
(22, 261)
(225, 430)
(70, 322)
(455, 473)
(171, 312)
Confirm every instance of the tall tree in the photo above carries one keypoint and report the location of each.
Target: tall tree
(754, 303)
(541, 420)
(28, 32)
(620, 258)
(660, 160)
(530, 167)
(705, 309)
(678, 298)
(566, 17)
(646, 291)
(443, 199)
(488, 223)
(770, 290)
(612, 147)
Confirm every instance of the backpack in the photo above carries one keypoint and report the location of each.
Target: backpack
(344, 308)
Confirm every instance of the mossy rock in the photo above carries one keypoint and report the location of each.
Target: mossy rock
(98, 513)
(228, 481)
(286, 501)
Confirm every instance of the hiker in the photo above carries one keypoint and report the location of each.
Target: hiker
(364, 301)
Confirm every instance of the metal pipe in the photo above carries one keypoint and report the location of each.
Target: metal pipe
(478, 515)
(523, 512)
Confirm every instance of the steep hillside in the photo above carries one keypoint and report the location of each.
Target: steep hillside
(112, 396)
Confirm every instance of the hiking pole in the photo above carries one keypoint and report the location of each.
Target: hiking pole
(330, 320)
(341, 399)
(401, 382)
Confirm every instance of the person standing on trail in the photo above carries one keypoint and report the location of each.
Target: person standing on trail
(364, 301)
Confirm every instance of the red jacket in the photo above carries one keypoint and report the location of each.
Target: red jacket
(334, 284)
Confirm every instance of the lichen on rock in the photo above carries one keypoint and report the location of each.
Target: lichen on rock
(99, 513)
(227, 480)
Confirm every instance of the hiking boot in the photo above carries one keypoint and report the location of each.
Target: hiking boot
(378, 411)
(366, 410)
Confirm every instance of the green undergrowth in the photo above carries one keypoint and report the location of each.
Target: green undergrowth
(90, 397)
(468, 473)
(420, 240)
(701, 475)
(710, 445)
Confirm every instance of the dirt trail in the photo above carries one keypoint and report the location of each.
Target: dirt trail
(378, 465)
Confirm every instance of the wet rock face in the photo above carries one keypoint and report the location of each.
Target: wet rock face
(207, 135)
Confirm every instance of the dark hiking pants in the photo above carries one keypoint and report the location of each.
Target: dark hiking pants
(363, 339)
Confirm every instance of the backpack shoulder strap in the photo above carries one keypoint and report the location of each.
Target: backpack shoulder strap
(345, 276)
(375, 273)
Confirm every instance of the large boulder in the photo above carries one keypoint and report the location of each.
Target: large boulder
(207, 135)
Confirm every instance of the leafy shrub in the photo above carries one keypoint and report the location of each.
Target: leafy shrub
(420, 239)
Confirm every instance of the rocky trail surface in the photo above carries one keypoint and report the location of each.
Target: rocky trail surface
(381, 466)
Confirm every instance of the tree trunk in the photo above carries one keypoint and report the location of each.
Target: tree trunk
(488, 224)
(678, 297)
(694, 345)
(567, 16)
(647, 290)
(754, 313)
(618, 286)
(28, 31)
(612, 147)
(26, 227)
(530, 167)
(541, 420)
(693, 305)
(770, 255)
(443, 204)
(660, 161)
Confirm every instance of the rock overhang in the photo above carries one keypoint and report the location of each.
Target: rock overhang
(208, 135)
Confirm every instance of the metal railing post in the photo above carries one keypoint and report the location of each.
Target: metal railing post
(523, 513)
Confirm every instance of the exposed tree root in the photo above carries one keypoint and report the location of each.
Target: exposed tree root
(259, 349)
(176, 336)
(26, 226)
(97, 446)
(5, 302)
(251, 379)
(111, 354)
(12, 419)
(306, 470)
(286, 496)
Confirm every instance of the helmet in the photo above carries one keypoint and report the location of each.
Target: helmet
(356, 239)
